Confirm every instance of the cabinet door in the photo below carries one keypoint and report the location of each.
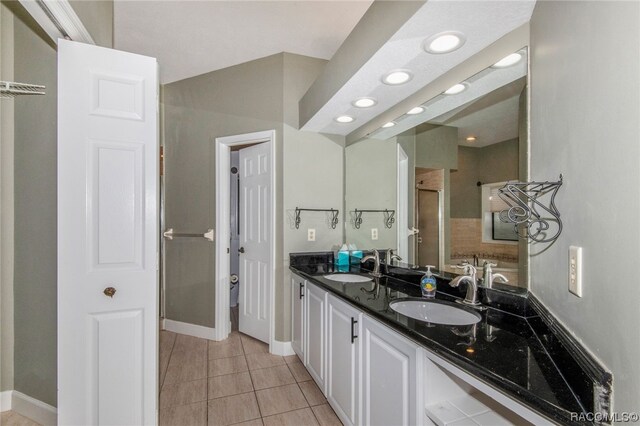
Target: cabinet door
(343, 359)
(315, 336)
(297, 303)
(389, 377)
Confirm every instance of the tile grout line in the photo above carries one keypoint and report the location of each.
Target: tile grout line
(206, 417)
(164, 376)
(253, 386)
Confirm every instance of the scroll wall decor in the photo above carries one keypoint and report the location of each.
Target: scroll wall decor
(533, 218)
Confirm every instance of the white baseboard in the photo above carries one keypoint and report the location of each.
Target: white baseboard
(281, 348)
(189, 329)
(5, 400)
(32, 408)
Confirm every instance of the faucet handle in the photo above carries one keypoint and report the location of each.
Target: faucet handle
(469, 269)
(490, 264)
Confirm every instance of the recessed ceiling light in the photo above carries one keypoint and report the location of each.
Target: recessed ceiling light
(416, 110)
(397, 77)
(471, 138)
(445, 42)
(364, 102)
(389, 124)
(455, 89)
(344, 119)
(508, 60)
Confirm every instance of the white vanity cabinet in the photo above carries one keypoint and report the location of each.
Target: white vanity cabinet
(391, 377)
(343, 359)
(298, 285)
(315, 336)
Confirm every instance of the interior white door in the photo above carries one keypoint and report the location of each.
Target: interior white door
(255, 240)
(107, 236)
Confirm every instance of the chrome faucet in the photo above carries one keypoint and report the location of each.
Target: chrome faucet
(376, 258)
(471, 297)
(488, 277)
(391, 256)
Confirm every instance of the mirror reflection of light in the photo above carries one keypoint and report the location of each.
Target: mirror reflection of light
(455, 89)
(389, 124)
(344, 119)
(416, 110)
(509, 60)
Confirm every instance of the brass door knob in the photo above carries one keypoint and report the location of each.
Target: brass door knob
(109, 291)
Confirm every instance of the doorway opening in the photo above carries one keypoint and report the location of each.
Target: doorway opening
(245, 247)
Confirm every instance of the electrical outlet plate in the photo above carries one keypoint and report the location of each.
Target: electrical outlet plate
(311, 234)
(575, 270)
(374, 233)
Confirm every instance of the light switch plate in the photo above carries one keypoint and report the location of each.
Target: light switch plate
(311, 234)
(374, 233)
(575, 270)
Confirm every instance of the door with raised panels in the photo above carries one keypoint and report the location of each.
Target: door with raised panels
(107, 236)
(343, 359)
(389, 377)
(297, 304)
(315, 336)
(255, 241)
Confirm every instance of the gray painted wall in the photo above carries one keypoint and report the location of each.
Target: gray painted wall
(312, 177)
(6, 204)
(371, 169)
(437, 148)
(493, 163)
(241, 99)
(585, 104)
(97, 17)
(35, 289)
(258, 95)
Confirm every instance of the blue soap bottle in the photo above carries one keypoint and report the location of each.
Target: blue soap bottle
(428, 283)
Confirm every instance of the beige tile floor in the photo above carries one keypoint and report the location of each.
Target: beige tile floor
(235, 381)
(231, 382)
(11, 418)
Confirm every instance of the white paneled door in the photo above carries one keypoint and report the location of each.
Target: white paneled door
(107, 236)
(255, 240)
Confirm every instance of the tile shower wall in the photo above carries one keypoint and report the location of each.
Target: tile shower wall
(466, 240)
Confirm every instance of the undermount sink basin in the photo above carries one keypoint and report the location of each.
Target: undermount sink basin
(347, 278)
(435, 312)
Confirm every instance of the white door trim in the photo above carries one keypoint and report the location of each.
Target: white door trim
(222, 195)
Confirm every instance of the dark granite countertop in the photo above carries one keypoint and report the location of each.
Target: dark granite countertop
(503, 350)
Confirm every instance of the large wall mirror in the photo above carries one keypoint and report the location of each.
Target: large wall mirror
(430, 192)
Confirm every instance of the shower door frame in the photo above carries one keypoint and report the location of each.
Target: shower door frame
(441, 224)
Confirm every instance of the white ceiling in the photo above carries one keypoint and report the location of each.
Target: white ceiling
(190, 38)
(482, 22)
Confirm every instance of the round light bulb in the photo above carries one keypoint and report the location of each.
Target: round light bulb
(471, 139)
(344, 119)
(389, 124)
(364, 102)
(416, 110)
(397, 77)
(508, 60)
(455, 89)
